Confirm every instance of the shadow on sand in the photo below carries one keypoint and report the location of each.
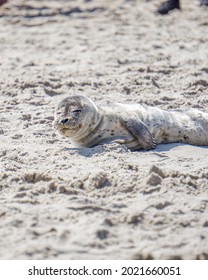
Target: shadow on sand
(89, 152)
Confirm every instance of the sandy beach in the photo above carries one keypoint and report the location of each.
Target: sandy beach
(106, 202)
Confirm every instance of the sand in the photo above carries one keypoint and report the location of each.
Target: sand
(60, 202)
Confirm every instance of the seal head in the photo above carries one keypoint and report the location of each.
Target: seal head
(75, 116)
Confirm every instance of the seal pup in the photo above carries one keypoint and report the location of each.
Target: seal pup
(137, 126)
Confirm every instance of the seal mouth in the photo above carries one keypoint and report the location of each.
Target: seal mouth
(70, 128)
(64, 128)
(67, 128)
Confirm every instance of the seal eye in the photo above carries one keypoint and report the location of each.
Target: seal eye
(76, 111)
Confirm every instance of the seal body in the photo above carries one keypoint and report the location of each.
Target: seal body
(137, 126)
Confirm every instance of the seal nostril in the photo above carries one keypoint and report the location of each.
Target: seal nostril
(64, 121)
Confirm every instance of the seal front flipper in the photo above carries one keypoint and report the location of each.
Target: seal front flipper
(139, 130)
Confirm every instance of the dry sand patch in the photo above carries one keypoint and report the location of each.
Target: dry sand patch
(57, 201)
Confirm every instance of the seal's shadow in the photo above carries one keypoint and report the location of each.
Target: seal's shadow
(170, 146)
(89, 152)
(85, 152)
